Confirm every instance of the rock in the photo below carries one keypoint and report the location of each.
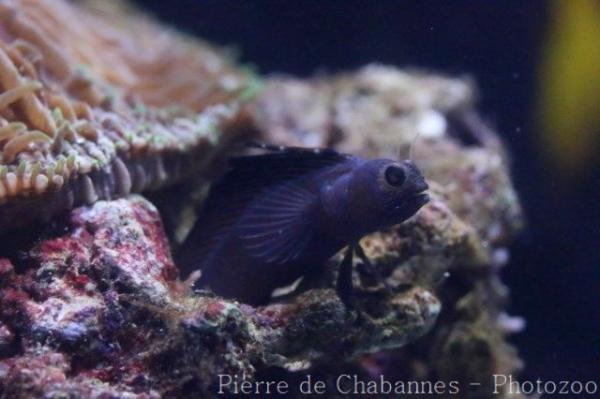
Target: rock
(99, 307)
(456, 245)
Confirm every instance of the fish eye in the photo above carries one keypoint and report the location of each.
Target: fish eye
(395, 175)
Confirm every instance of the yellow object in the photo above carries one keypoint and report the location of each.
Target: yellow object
(569, 104)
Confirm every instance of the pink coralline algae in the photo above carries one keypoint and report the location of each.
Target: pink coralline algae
(67, 296)
(95, 309)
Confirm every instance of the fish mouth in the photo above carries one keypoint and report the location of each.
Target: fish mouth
(413, 203)
(420, 198)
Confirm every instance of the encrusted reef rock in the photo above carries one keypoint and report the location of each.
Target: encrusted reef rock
(95, 307)
(456, 245)
(91, 303)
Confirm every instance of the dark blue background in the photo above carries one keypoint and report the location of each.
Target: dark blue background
(554, 271)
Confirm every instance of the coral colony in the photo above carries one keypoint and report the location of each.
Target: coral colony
(99, 101)
(76, 127)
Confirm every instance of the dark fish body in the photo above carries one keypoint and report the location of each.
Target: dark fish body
(275, 217)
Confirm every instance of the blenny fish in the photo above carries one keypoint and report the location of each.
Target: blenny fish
(280, 215)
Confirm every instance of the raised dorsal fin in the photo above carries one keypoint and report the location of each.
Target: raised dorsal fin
(248, 178)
